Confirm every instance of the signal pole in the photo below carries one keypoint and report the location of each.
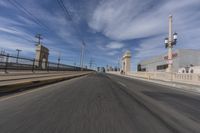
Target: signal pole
(18, 51)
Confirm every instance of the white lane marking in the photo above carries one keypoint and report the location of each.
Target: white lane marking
(122, 84)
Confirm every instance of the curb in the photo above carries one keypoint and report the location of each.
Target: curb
(35, 83)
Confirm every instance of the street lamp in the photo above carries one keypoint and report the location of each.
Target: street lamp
(175, 35)
(173, 42)
(166, 42)
(170, 41)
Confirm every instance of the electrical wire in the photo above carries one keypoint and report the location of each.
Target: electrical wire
(21, 8)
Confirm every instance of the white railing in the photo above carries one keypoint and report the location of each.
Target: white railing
(176, 77)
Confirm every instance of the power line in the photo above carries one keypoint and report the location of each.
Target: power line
(66, 12)
(69, 17)
(20, 7)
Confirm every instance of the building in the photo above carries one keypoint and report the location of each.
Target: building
(182, 58)
(191, 70)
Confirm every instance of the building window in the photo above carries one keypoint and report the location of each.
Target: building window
(162, 67)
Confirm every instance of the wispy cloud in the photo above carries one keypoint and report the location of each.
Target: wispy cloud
(147, 21)
(131, 19)
(108, 26)
(115, 45)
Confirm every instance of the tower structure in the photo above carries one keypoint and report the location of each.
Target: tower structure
(126, 62)
(42, 55)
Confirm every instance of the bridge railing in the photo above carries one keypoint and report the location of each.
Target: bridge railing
(8, 62)
(164, 76)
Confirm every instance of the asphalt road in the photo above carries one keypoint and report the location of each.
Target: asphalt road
(97, 103)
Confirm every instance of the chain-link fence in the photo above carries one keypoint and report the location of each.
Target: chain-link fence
(8, 62)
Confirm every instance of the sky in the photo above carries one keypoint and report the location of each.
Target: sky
(108, 27)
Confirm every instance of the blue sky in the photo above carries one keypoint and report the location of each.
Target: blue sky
(109, 27)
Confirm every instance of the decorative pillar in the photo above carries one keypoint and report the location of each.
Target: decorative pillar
(126, 62)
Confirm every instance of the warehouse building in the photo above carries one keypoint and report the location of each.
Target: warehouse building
(182, 58)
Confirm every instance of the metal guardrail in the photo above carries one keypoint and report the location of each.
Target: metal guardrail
(8, 62)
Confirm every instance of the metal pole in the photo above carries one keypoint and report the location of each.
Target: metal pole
(18, 50)
(33, 66)
(170, 45)
(59, 56)
(6, 65)
(47, 66)
(82, 56)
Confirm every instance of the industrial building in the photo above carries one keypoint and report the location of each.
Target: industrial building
(182, 58)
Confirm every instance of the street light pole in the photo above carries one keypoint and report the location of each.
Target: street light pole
(18, 50)
(82, 55)
(169, 43)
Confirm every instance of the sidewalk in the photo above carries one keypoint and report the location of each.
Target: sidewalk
(26, 72)
(173, 85)
(20, 82)
(27, 75)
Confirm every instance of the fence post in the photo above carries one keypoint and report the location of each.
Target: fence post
(33, 66)
(6, 65)
(58, 67)
(47, 66)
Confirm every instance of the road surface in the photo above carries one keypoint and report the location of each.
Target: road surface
(97, 103)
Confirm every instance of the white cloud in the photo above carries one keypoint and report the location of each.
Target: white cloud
(115, 45)
(121, 20)
(112, 53)
(12, 43)
(131, 19)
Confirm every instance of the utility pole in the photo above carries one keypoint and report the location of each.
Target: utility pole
(169, 43)
(59, 58)
(39, 37)
(91, 62)
(82, 54)
(18, 51)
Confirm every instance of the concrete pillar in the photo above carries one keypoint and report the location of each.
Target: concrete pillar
(126, 62)
(41, 58)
